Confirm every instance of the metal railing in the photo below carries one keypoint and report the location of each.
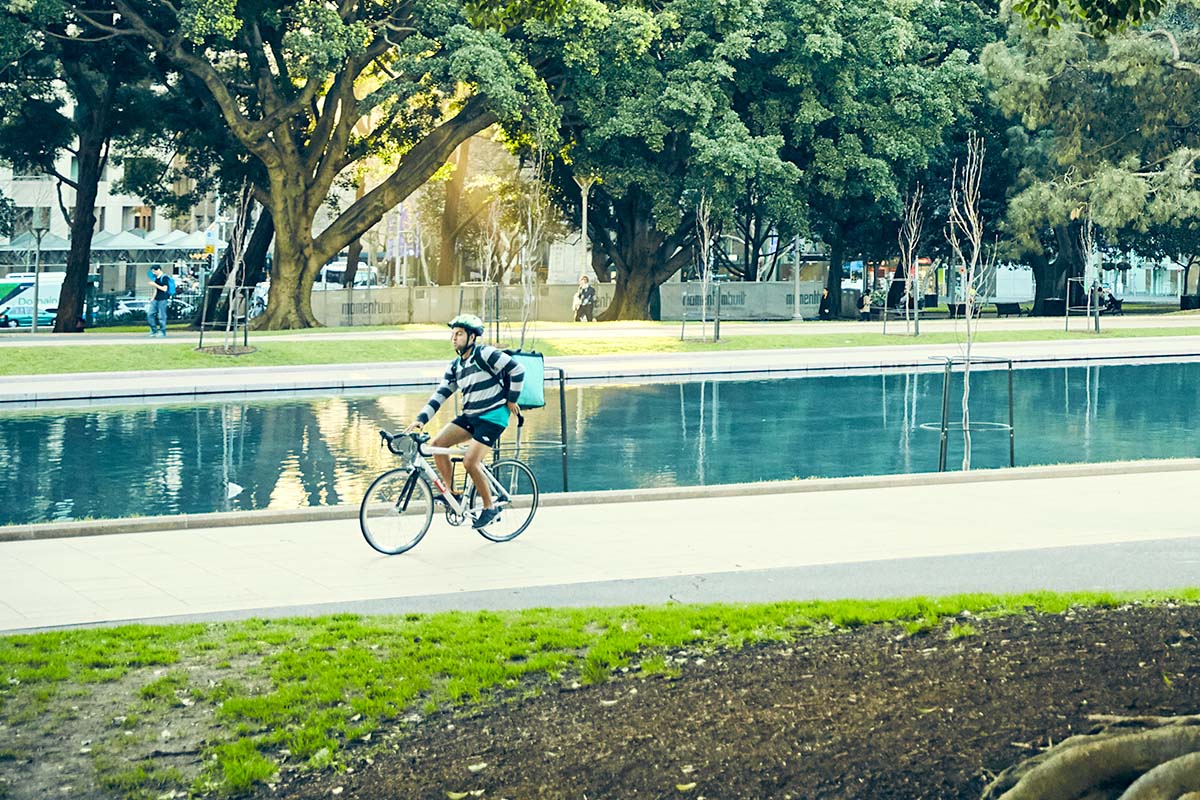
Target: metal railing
(946, 423)
(558, 445)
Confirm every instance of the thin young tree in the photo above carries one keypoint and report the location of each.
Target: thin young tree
(705, 234)
(238, 308)
(909, 238)
(1087, 243)
(536, 208)
(964, 232)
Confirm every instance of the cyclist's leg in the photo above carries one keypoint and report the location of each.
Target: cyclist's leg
(473, 463)
(450, 436)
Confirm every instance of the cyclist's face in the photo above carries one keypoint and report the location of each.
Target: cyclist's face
(460, 339)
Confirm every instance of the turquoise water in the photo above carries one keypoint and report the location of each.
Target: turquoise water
(134, 461)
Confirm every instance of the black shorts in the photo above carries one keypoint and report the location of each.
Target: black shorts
(481, 430)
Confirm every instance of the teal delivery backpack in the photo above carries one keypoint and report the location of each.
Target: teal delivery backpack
(533, 391)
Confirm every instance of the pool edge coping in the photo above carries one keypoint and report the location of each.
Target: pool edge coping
(226, 519)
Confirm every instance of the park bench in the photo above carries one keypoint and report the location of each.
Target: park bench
(1009, 310)
(959, 310)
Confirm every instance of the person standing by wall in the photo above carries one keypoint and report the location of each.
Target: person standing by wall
(864, 308)
(823, 310)
(160, 287)
(584, 301)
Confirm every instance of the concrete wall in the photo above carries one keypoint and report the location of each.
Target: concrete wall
(423, 304)
(742, 301)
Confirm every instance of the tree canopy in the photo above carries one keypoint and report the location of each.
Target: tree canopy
(306, 89)
(1108, 133)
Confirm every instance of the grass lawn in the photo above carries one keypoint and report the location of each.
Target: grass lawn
(51, 359)
(246, 694)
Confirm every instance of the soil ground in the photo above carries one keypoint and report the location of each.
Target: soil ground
(873, 713)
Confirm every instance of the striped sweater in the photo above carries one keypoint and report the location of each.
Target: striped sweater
(481, 391)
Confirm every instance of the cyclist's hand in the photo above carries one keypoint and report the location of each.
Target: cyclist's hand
(514, 409)
(414, 428)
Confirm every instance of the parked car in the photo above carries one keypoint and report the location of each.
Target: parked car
(331, 276)
(131, 309)
(45, 320)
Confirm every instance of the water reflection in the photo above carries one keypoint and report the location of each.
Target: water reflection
(114, 462)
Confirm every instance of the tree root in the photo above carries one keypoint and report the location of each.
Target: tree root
(1103, 764)
(1168, 780)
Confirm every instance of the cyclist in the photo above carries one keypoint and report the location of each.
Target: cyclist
(490, 381)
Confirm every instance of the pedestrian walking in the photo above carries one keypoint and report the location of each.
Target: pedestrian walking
(823, 310)
(584, 301)
(160, 286)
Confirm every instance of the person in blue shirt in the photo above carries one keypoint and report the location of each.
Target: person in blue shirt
(160, 288)
(490, 381)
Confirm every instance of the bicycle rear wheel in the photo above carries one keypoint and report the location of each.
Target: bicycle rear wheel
(517, 510)
(396, 511)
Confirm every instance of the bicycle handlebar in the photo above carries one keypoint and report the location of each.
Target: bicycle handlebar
(390, 438)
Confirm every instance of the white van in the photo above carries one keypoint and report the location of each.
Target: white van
(16, 298)
(331, 276)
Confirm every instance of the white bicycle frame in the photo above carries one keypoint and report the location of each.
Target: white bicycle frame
(419, 463)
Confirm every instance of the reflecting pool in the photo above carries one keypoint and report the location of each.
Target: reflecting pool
(132, 461)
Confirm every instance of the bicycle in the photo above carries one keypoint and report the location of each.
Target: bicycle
(399, 505)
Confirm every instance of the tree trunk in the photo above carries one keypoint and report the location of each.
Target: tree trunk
(644, 256)
(896, 290)
(297, 264)
(352, 254)
(92, 144)
(255, 259)
(94, 101)
(1070, 262)
(833, 281)
(1047, 282)
(354, 249)
(448, 268)
(631, 298)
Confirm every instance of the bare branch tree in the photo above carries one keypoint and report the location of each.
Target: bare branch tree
(704, 242)
(238, 307)
(964, 232)
(535, 217)
(909, 237)
(1087, 243)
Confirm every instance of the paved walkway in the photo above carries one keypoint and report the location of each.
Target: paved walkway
(551, 330)
(25, 391)
(1045, 531)
(1105, 531)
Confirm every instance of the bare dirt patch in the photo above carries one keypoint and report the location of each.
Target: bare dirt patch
(874, 713)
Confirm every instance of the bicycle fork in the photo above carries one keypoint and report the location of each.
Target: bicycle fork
(406, 493)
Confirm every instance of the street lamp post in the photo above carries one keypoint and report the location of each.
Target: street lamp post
(796, 278)
(40, 226)
(585, 184)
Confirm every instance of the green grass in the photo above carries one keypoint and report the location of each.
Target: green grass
(67, 359)
(314, 686)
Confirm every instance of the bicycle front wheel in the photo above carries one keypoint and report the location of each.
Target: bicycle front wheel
(396, 511)
(518, 504)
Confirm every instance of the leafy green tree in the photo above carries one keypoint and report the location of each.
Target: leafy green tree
(646, 108)
(67, 95)
(307, 89)
(873, 88)
(8, 214)
(1097, 16)
(1109, 134)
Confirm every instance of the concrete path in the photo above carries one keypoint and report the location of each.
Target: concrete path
(618, 330)
(1041, 531)
(30, 391)
(1033, 529)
